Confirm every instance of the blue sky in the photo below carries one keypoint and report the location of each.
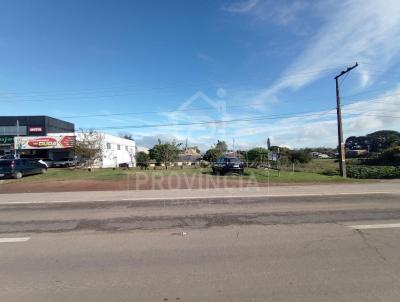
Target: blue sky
(125, 65)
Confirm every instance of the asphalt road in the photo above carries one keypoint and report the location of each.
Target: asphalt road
(298, 248)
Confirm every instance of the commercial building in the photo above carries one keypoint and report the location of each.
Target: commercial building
(53, 139)
(29, 128)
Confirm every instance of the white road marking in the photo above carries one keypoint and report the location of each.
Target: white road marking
(375, 226)
(15, 239)
(216, 196)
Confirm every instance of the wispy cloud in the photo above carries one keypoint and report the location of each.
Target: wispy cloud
(278, 12)
(367, 31)
(202, 56)
(320, 129)
(241, 6)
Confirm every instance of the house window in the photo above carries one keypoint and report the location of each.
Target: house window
(118, 147)
(108, 146)
(126, 148)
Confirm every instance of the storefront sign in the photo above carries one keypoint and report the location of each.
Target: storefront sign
(6, 140)
(44, 142)
(35, 129)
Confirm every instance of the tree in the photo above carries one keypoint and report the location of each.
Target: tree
(390, 157)
(383, 139)
(88, 147)
(221, 146)
(259, 155)
(127, 136)
(212, 154)
(142, 159)
(268, 143)
(164, 153)
(374, 142)
(299, 156)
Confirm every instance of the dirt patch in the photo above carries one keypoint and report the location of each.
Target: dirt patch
(131, 183)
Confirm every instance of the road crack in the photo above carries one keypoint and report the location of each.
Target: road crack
(370, 246)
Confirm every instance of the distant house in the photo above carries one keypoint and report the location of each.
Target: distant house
(190, 151)
(188, 159)
(232, 154)
(356, 153)
(319, 155)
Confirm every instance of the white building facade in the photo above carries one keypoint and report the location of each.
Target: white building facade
(115, 151)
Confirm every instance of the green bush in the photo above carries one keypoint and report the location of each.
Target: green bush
(299, 156)
(373, 172)
(391, 156)
(330, 172)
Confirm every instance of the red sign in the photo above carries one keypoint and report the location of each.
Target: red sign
(68, 141)
(35, 129)
(43, 142)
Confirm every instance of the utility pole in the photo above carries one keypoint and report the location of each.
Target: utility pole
(342, 153)
(15, 149)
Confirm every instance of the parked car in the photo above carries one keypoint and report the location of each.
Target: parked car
(63, 163)
(228, 165)
(8, 156)
(43, 162)
(17, 168)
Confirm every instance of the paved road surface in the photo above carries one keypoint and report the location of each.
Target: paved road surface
(287, 248)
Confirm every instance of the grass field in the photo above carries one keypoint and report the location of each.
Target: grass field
(306, 173)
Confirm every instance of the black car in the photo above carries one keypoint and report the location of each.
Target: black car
(16, 168)
(8, 156)
(228, 165)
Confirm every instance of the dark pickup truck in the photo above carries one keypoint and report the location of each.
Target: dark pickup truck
(226, 165)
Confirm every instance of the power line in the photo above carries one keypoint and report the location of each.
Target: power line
(164, 111)
(203, 109)
(257, 118)
(69, 93)
(254, 118)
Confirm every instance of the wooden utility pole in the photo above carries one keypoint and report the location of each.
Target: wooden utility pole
(342, 152)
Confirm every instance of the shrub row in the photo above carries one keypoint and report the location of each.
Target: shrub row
(371, 172)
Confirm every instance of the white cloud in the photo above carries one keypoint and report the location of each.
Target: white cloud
(359, 118)
(316, 129)
(367, 31)
(241, 6)
(278, 12)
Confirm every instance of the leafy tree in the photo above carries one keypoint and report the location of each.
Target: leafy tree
(165, 152)
(212, 154)
(221, 146)
(299, 156)
(127, 136)
(142, 159)
(258, 154)
(282, 150)
(383, 139)
(374, 142)
(390, 157)
(88, 147)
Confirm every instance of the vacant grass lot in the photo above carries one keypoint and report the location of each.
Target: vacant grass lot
(305, 173)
